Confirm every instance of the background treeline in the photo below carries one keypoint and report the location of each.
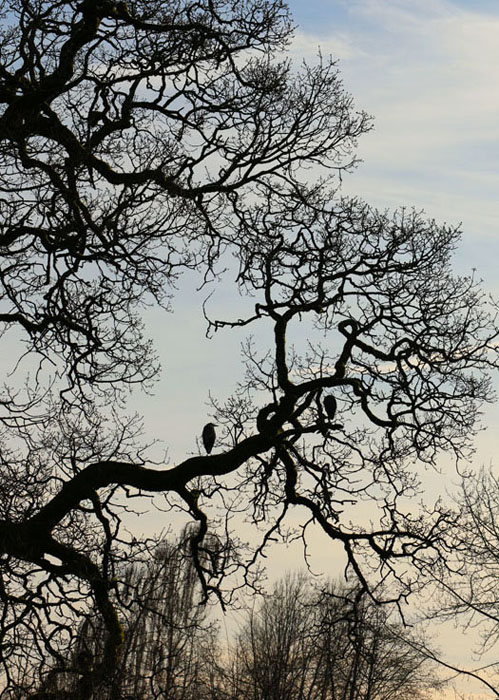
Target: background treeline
(299, 643)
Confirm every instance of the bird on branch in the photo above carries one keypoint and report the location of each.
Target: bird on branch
(209, 436)
(330, 406)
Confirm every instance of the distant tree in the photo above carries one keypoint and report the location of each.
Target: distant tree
(168, 641)
(139, 140)
(469, 583)
(274, 658)
(302, 645)
(365, 656)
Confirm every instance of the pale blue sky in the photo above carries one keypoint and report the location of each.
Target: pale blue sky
(428, 72)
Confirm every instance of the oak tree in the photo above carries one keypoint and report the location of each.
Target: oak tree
(139, 140)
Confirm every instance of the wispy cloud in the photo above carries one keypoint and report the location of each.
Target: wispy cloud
(428, 71)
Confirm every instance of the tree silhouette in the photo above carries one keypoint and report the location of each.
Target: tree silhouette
(467, 589)
(301, 644)
(143, 139)
(168, 646)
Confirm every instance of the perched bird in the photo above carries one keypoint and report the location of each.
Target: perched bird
(209, 436)
(330, 406)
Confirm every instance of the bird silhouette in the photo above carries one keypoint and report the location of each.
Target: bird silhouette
(209, 436)
(330, 406)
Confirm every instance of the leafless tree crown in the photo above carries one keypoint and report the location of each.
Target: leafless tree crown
(139, 140)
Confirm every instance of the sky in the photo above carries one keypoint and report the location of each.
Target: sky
(428, 71)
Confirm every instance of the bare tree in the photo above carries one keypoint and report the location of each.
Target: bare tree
(365, 655)
(475, 585)
(168, 641)
(142, 139)
(274, 657)
(467, 590)
(301, 644)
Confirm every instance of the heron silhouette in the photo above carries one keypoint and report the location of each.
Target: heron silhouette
(209, 435)
(330, 406)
